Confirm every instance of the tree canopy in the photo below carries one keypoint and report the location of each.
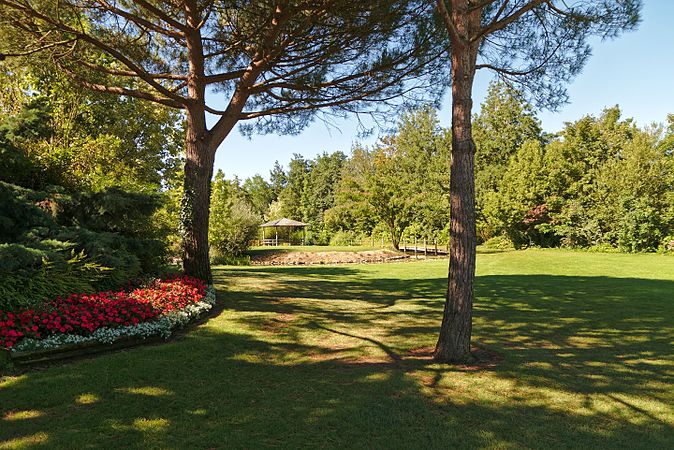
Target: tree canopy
(274, 63)
(82, 139)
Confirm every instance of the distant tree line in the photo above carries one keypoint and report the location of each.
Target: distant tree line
(602, 182)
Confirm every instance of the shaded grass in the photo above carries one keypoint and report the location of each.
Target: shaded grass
(324, 357)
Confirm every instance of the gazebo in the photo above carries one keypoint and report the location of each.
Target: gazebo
(282, 223)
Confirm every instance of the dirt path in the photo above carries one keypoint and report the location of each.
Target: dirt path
(308, 258)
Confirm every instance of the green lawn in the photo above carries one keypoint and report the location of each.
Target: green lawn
(320, 357)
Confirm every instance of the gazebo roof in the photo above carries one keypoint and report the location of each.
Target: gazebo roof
(284, 223)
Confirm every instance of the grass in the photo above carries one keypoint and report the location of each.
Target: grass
(321, 357)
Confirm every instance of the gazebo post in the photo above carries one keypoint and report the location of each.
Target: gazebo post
(263, 236)
(276, 231)
(304, 235)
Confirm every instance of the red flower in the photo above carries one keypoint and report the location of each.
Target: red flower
(83, 314)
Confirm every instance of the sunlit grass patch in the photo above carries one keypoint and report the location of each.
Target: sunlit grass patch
(151, 425)
(152, 391)
(22, 415)
(25, 441)
(578, 355)
(87, 399)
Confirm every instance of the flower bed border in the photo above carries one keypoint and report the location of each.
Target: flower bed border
(35, 357)
(158, 330)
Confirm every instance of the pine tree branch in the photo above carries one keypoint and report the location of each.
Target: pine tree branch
(162, 16)
(39, 49)
(449, 23)
(140, 21)
(482, 5)
(81, 35)
(118, 90)
(496, 25)
(225, 76)
(129, 73)
(258, 63)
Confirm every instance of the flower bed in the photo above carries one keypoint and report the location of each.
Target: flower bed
(155, 309)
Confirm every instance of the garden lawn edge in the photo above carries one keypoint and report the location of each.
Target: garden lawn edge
(35, 357)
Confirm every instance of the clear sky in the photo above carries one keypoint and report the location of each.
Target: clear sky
(635, 71)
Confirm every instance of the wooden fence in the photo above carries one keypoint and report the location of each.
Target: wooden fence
(425, 247)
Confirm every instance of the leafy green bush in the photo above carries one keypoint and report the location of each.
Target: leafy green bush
(56, 243)
(232, 235)
(640, 228)
(111, 210)
(229, 260)
(29, 287)
(108, 249)
(668, 244)
(601, 248)
(20, 210)
(499, 243)
(15, 256)
(233, 221)
(321, 237)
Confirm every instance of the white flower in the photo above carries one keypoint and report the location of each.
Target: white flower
(163, 326)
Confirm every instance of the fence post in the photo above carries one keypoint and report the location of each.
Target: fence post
(416, 256)
(425, 249)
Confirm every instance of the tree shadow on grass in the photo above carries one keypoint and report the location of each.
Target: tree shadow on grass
(590, 335)
(230, 386)
(216, 390)
(586, 335)
(323, 283)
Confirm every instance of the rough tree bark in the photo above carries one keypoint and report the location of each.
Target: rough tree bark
(541, 42)
(454, 340)
(199, 158)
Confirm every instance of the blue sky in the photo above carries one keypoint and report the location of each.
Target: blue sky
(635, 71)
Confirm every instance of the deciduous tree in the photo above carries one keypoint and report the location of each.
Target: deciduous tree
(401, 181)
(277, 179)
(233, 220)
(318, 194)
(85, 140)
(291, 196)
(259, 194)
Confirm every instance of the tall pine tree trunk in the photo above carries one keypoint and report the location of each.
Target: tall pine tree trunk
(195, 208)
(199, 158)
(455, 332)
